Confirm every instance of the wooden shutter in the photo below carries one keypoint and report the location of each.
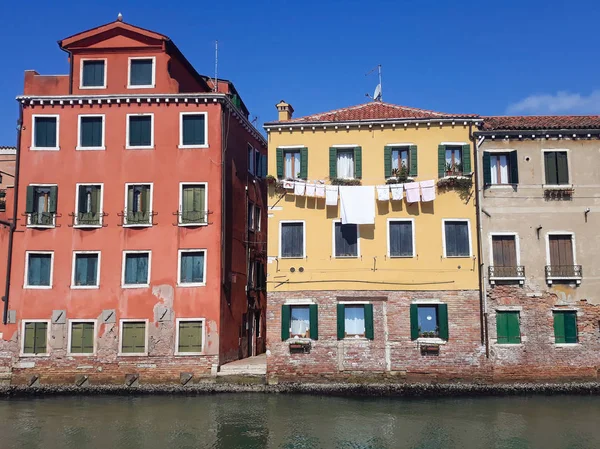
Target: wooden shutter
(341, 321)
(358, 162)
(501, 328)
(441, 161)
(562, 167)
(279, 159)
(29, 201)
(285, 322)
(332, 163)
(504, 251)
(550, 168)
(561, 250)
(512, 327)
(369, 330)
(314, 321)
(263, 164)
(487, 169)
(29, 338)
(414, 321)
(413, 158)
(442, 310)
(559, 327)
(466, 158)
(513, 166)
(41, 330)
(570, 322)
(52, 204)
(134, 337)
(303, 163)
(387, 161)
(145, 199)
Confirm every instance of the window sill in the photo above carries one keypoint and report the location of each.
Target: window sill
(458, 257)
(431, 341)
(128, 147)
(520, 280)
(292, 257)
(576, 279)
(402, 257)
(44, 148)
(92, 87)
(504, 186)
(26, 355)
(557, 186)
(188, 225)
(352, 338)
(135, 286)
(183, 354)
(135, 225)
(299, 339)
(41, 226)
(192, 147)
(132, 354)
(85, 287)
(37, 287)
(81, 354)
(566, 345)
(191, 284)
(141, 86)
(508, 345)
(346, 257)
(90, 148)
(82, 226)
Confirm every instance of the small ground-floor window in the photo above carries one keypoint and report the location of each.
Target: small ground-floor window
(429, 321)
(299, 321)
(35, 337)
(133, 337)
(82, 338)
(189, 339)
(355, 321)
(565, 327)
(507, 328)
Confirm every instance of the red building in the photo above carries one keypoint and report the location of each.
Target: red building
(138, 245)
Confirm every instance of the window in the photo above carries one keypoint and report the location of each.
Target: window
(345, 162)
(565, 327)
(454, 164)
(89, 205)
(40, 205)
(257, 164)
(190, 336)
(138, 210)
(507, 328)
(250, 216)
(82, 337)
(193, 130)
(193, 204)
(457, 238)
(345, 240)
(400, 238)
(261, 278)
(505, 257)
(257, 218)
(251, 277)
(141, 72)
(292, 242)
(91, 132)
(454, 159)
(500, 168)
(45, 132)
(93, 74)
(192, 267)
(251, 159)
(140, 131)
(429, 321)
(133, 337)
(556, 167)
(136, 268)
(299, 321)
(86, 269)
(292, 163)
(400, 161)
(35, 337)
(38, 269)
(561, 255)
(355, 321)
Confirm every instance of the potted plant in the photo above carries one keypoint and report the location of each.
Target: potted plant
(271, 179)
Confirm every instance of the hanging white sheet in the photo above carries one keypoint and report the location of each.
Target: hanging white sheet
(331, 195)
(427, 190)
(357, 204)
(383, 193)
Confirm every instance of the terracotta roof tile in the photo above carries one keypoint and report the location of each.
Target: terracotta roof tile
(541, 122)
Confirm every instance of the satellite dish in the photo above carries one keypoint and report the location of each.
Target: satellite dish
(377, 94)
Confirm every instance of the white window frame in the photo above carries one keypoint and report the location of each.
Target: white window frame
(33, 147)
(22, 336)
(134, 225)
(81, 61)
(257, 223)
(431, 302)
(145, 86)
(179, 320)
(251, 167)
(444, 220)
(146, 337)
(26, 280)
(69, 338)
(181, 184)
(85, 287)
(141, 251)
(549, 279)
(144, 147)
(414, 251)
(345, 147)
(100, 211)
(400, 147)
(191, 284)
(101, 147)
(303, 238)
(569, 172)
(181, 145)
(491, 236)
(333, 222)
(34, 225)
(291, 148)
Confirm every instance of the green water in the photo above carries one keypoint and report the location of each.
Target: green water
(248, 421)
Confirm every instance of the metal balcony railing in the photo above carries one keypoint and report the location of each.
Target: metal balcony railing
(506, 272)
(563, 272)
(192, 217)
(142, 218)
(41, 219)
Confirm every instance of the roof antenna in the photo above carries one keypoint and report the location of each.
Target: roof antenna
(216, 83)
(377, 95)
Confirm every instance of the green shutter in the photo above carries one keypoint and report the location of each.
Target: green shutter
(88, 338)
(358, 162)
(29, 338)
(502, 327)
(514, 167)
(559, 327)
(570, 319)
(263, 165)
(190, 336)
(285, 322)
(487, 169)
(466, 158)
(314, 321)
(77, 338)
(96, 192)
(304, 163)
(41, 330)
(443, 321)
(414, 162)
(146, 198)
(387, 161)
(414, 321)
(512, 327)
(184, 338)
(279, 157)
(332, 163)
(550, 168)
(30, 199)
(562, 167)
(134, 337)
(369, 331)
(441, 161)
(130, 199)
(341, 317)
(52, 204)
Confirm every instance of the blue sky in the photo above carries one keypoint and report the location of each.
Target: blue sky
(519, 57)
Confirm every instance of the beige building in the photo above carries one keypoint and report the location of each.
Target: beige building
(8, 157)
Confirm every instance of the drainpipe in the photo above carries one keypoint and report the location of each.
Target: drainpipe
(12, 225)
(223, 201)
(70, 66)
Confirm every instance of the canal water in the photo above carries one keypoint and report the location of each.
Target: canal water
(230, 421)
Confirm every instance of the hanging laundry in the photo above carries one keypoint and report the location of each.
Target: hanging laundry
(310, 190)
(320, 191)
(331, 195)
(383, 193)
(357, 204)
(413, 195)
(427, 190)
(299, 188)
(397, 192)
(289, 185)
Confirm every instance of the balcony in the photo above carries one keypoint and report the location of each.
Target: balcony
(137, 219)
(41, 219)
(563, 273)
(500, 273)
(192, 218)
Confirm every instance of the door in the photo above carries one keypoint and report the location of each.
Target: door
(561, 255)
(505, 255)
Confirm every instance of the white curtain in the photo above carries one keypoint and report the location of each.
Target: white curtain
(354, 321)
(292, 164)
(345, 164)
(300, 321)
(456, 156)
(503, 163)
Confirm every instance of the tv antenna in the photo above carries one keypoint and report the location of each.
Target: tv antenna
(216, 83)
(377, 95)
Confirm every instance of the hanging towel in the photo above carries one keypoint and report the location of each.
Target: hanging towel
(413, 195)
(331, 195)
(357, 204)
(427, 190)
(310, 189)
(397, 192)
(383, 193)
(289, 185)
(320, 191)
(299, 188)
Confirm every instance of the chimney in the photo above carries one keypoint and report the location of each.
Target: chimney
(285, 111)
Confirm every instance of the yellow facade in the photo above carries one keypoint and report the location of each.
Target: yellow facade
(373, 269)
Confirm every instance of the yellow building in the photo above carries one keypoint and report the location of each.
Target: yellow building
(409, 277)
